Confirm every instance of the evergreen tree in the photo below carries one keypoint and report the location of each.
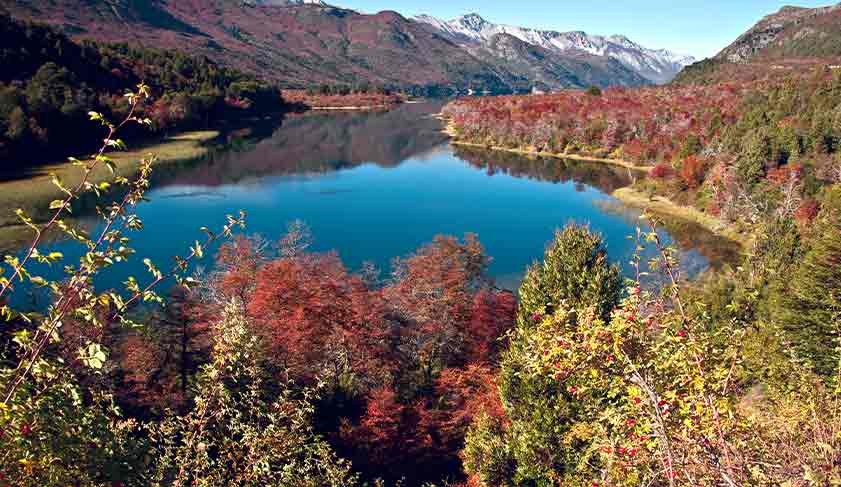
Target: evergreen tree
(539, 442)
(810, 309)
(575, 270)
(244, 430)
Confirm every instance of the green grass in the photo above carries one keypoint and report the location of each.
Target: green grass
(34, 191)
(660, 205)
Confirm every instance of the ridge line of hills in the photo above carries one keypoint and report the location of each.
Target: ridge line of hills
(300, 43)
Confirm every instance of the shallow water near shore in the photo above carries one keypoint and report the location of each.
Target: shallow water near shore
(373, 186)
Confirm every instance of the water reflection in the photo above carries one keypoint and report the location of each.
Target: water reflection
(605, 177)
(377, 185)
(313, 144)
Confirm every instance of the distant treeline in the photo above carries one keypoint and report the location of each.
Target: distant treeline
(344, 90)
(48, 84)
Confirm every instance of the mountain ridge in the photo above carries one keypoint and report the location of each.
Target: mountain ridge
(301, 43)
(656, 65)
(789, 40)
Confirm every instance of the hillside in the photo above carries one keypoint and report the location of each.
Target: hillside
(48, 84)
(302, 43)
(296, 44)
(652, 65)
(545, 70)
(784, 41)
(791, 32)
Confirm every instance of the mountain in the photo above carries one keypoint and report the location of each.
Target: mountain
(658, 66)
(545, 70)
(296, 43)
(301, 43)
(789, 40)
(793, 31)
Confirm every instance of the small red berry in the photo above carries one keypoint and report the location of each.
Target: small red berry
(631, 423)
(572, 389)
(25, 429)
(606, 449)
(632, 452)
(681, 333)
(636, 400)
(536, 317)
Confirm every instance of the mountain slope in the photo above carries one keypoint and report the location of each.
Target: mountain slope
(789, 40)
(545, 70)
(304, 42)
(793, 31)
(298, 43)
(657, 66)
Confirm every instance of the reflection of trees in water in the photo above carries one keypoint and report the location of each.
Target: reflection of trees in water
(605, 177)
(687, 235)
(315, 143)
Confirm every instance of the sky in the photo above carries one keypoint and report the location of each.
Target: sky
(697, 27)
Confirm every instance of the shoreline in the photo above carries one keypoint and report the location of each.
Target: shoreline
(627, 195)
(361, 108)
(34, 190)
(664, 206)
(449, 129)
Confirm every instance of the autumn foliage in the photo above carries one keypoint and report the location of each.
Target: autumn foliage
(406, 361)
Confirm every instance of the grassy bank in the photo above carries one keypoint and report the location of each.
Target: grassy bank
(33, 190)
(659, 205)
(450, 130)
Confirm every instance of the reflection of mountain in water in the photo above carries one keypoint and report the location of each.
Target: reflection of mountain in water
(315, 143)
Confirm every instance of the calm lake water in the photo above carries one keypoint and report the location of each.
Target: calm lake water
(373, 186)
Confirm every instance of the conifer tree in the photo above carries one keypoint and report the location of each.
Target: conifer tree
(575, 269)
(810, 310)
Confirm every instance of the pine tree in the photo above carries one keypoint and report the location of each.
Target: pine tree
(810, 310)
(535, 444)
(575, 270)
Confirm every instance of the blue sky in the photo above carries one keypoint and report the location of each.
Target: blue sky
(697, 27)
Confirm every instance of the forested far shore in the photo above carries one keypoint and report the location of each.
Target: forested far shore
(739, 151)
(49, 84)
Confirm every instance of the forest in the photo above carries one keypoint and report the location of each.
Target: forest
(280, 366)
(736, 150)
(48, 84)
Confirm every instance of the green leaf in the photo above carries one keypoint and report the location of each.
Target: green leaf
(56, 204)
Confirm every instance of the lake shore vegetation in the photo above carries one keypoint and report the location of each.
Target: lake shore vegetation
(278, 365)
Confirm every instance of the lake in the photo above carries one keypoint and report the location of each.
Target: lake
(372, 186)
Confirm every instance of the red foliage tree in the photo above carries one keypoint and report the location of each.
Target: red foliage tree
(492, 314)
(315, 315)
(692, 171)
(662, 170)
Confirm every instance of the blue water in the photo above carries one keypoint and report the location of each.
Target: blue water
(375, 186)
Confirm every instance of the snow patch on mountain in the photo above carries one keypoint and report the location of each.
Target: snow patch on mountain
(657, 65)
(288, 3)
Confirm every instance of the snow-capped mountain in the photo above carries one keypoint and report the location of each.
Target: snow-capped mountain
(656, 65)
(288, 3)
